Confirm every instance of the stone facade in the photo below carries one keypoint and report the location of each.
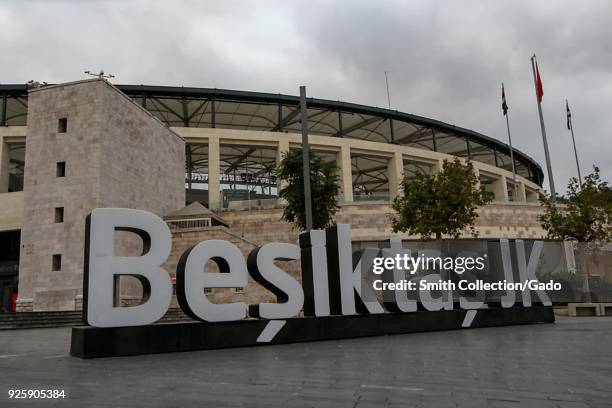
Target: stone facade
(253, 293)
(369, 221)
(115, 154)
(12, 211)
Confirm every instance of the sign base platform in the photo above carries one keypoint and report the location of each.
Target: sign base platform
(94, 342)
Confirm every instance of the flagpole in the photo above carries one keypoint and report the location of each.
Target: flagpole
(546, 154)
(511, 151)
(571, 126)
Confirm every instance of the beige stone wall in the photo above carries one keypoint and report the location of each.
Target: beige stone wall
(370, 221)
(11, 205)
(116, 154)
(253, 293)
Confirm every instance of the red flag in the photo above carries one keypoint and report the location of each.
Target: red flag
(539, 84)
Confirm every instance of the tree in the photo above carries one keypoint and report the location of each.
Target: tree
(323, 186)
(586, 215)
(439, 204)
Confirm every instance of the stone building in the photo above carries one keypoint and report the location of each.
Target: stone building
(66, 149)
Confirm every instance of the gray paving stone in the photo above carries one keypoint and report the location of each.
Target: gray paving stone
(522, 366)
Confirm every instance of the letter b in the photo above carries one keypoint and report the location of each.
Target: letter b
(102, 266)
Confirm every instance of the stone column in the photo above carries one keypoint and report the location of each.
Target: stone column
(437, 167)
(521, 195)
(395, 171)
(477, 173)
(346, 175)
(500, 189)
(214, 168)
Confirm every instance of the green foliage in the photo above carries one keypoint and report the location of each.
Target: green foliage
(587, 212)
(323, 185)
(444, 203)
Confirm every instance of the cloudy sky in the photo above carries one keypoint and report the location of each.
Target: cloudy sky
(446, 59)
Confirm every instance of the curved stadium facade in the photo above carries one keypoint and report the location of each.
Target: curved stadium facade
(366, 131)
(230, 143)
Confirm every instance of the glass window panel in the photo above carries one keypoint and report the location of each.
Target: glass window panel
(412, 168)
(451, 144)
(16, 165)
(521, 169)
(196, 172)
(409, 134)
(535, 175)
(167, 110)
(370, 180)
(16, 111)
(366, 127)
(320, 121)
(504, 161)
(482, 153)
(199, 112)
(245, 116)
(486, 183)
(138, 100)
(326, 155)
(246, 173)
(180, 112)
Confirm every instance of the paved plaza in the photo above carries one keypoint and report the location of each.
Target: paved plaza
(566, 364)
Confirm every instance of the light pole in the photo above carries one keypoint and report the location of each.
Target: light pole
(306, 159)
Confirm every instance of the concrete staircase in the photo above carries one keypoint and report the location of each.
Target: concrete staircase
(34, 320)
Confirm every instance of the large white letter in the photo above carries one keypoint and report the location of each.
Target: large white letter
(289, 293)
(191, 280)
(102, 266)
(314, 273)
(340, 269)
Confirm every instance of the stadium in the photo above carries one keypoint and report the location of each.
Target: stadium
(203, 159)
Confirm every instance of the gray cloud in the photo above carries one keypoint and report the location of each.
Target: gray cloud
(446, 60)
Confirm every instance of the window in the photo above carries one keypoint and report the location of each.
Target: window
(16, 166)
(246, 174)
(413, 167)
(59, 215)
(451, 144)
(60, 169)
(16, 111)
(370, 179)
(366, 127)
(56, 262)
(482, 153)
(62, 125)
(409, 134)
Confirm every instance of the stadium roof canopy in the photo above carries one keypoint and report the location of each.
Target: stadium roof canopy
(220, 108)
